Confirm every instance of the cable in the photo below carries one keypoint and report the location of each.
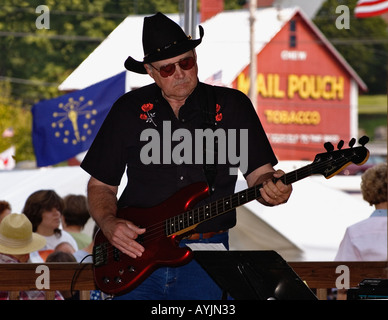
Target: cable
(29, 82)
(75, 275)
(51, 36)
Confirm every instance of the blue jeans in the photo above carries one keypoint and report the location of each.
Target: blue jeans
(188, 282)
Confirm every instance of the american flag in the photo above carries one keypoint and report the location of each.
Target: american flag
(7, 161)
(370, 8)
(215, 79)
(8, 133)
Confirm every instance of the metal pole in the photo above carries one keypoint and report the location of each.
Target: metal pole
(190, 17)
(253, 62)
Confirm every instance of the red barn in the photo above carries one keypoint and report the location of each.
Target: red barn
(306, 92)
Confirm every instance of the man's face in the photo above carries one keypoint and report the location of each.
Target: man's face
(181, 83)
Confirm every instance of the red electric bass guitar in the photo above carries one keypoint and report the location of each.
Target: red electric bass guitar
(175, 218)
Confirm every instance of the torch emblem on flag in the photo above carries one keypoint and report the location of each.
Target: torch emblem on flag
(71, 111)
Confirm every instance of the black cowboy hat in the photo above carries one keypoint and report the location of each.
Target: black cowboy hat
(162, 39)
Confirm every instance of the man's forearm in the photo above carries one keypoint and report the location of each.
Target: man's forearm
(102, 200)
(121, 233)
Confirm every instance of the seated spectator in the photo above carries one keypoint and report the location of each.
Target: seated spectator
(86, 254)
(44, 208)
(5, 209)
(16, 242)
(65, 247)
(75, 215)
(83, 255)
(61, 256)
(367, 240)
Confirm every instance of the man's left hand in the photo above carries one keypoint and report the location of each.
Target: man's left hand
(274, 193)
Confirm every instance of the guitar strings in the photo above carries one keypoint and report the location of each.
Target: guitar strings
(158, 229)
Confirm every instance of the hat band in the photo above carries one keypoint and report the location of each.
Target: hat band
(14, 243)
(165, 47)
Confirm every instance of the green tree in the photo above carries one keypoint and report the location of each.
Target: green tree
(364, 45)
(34, 61)
(13, 116)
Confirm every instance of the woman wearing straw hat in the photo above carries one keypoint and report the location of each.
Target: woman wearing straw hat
(17, 241)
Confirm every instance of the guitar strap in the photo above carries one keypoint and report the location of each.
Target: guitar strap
(208, 109)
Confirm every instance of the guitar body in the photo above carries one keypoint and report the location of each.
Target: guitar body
(117, 273)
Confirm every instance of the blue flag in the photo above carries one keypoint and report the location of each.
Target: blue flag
(66, 126)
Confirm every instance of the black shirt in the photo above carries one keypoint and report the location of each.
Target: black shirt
(162, 153)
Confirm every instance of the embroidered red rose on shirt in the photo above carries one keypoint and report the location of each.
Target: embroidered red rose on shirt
(147, 107)
(218, 113)
(148, 116)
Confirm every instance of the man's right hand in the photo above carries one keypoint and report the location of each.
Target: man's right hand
(123, 234)
(102, 207)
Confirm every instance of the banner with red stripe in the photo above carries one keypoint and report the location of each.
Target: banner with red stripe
(370, 8)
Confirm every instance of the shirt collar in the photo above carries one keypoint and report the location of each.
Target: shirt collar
(379, 213)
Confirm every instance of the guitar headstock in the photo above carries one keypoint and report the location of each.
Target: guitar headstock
(332, 162)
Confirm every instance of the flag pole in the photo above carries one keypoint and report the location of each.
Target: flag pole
(190, 10)
(253, 59)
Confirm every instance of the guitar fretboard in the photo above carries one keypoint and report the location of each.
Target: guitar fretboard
(214, 209)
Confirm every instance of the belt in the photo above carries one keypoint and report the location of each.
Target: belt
(206, 235)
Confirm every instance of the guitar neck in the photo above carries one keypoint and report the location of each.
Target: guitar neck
(189, 219)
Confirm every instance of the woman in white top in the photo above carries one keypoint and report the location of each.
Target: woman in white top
(367, 240)
(43, 208)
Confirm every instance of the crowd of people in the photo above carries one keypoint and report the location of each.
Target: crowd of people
(49, 229)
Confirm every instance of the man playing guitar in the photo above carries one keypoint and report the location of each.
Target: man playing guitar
(178, 99)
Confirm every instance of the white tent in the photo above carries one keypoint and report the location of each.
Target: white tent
(309, 227)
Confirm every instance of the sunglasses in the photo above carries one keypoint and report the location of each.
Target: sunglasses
(169, 69)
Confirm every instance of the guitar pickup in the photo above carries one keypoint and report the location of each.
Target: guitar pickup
(116, 254)
(100, 254)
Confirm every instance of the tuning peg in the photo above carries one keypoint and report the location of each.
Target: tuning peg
(363, 140)
(328, 146)
(340, 144)
(352, 142)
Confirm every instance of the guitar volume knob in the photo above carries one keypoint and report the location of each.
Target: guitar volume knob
(131, 269)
